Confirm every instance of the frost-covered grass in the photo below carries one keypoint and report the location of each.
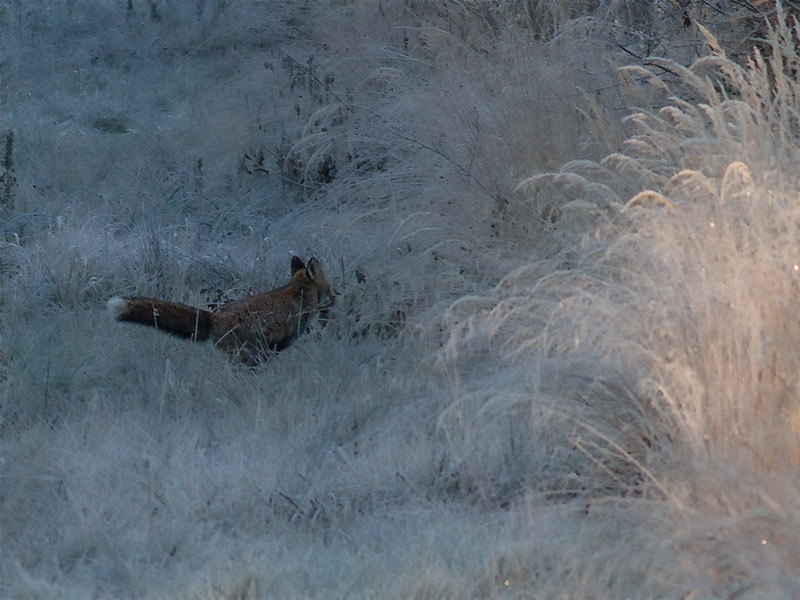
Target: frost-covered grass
(563, 359)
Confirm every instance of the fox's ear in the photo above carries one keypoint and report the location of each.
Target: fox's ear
(297, 264)
(315, 269)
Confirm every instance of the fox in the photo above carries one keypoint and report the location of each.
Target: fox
(251, 328)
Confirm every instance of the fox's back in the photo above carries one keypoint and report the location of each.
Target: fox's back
(264, 318)
(272, 320)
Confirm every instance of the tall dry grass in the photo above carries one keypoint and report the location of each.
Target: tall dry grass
(664, 350)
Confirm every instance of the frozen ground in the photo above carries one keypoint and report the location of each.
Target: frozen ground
(563, 362)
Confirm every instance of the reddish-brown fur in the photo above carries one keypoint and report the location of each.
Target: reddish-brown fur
(250, 328)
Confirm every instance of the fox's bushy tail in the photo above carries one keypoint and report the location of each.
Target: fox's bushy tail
(177, 319)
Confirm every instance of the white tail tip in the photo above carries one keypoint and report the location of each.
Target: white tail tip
(116, 306)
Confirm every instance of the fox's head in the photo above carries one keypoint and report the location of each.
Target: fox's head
(312, 275)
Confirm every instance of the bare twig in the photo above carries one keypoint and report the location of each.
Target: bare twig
(7, 179)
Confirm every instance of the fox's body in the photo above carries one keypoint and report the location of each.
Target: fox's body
(250, 328)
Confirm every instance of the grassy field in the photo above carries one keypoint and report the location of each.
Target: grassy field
(564, 357)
